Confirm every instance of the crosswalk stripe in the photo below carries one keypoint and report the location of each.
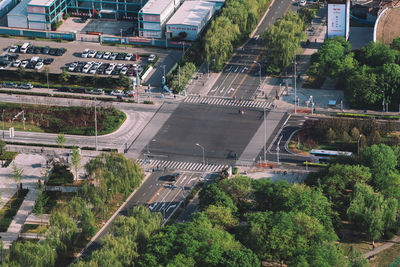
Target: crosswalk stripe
(181, 165)
(226, 102)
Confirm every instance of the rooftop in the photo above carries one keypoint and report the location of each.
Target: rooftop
(41, 2)
(191, 13)
(20, 10)
(155, 6)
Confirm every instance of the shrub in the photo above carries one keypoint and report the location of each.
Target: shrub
(60, 175)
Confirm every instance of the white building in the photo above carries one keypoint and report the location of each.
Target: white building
(154, 15)
(18, 16)
(190, 19)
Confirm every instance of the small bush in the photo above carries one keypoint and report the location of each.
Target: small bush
(60, 175)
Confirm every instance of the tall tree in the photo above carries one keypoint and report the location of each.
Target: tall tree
(76, 160)
(61, 140)
(17, 174)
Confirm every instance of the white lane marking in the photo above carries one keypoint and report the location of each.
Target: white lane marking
(232, 89)
(222, 89)
(215, 89)
(171, 206)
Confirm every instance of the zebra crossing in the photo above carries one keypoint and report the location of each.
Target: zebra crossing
(181, 165)
(227, 102)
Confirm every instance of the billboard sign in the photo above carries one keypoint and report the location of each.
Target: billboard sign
(336, 20)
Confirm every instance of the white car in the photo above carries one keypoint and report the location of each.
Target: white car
(26, 86)
(39, 65)
(151, 58)
(13, 49)
(302, 2)
(107, 55)
(113, 56)
(72, 66)
(92, 53)
(85, 53)
(117, 93)
(87, 67)
(129, 56)
(24, 63)
(124, 70)
(16, 63)
(110, 69)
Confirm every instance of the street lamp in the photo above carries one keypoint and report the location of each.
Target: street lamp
(165, 78)
(295, 90)
(204, 161)
(148, 151)
(358, 145)
(277, 148)
(2, 117)
(95, 121)
(265, 137)
(260, 70)
(120, 30)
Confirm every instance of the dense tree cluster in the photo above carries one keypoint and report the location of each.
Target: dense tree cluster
(283, 40)
(77, 219)
(369, 75)
(236, 21)
(366, 193)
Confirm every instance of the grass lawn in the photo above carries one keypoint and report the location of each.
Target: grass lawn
(34, 229)
(386, 257)
(18, 126)
(11, 208)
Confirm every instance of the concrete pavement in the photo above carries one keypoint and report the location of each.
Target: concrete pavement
(32, 166)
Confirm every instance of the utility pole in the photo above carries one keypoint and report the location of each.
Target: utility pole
(95, 121)
(265, 137)
(2, 117)
(179, 78)
(295, 90)
(23, 119)
(277, 148)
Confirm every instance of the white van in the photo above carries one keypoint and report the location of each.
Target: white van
(24, 47)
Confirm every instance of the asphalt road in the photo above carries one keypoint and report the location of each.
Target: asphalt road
(137, 116)
(241, 76)
(221, 130)
(157, 194)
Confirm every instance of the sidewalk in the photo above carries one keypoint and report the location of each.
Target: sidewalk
(32, 166)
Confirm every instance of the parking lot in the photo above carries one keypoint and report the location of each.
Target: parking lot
(74, 50)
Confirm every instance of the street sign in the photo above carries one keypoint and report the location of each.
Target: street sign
(11, 132)
(163, 80)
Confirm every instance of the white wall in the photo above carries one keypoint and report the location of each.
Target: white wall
(37, 25)
(17, 21)
(191, 31)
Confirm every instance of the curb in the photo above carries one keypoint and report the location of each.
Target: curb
(109, 221)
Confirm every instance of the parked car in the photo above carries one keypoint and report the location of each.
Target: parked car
(151, 58)
(79, 90)
(121, 56)
(97, 92)
(72, 66)
(113, 56)
(99, 54)
(52, 51)
(85, 53)
(128, 56)
(107, 55)
(26, 86)
(110, 69)
(39, 65)
(302, 2)
(46, 49)
(13, 49)
(65, 89)
(24, 63)
(91, 53)
(10, 85)
(16, 63)
(30, 50)
(48, 61)
(117, 93)
(124, 70)
(87, 67)
(60, 52)
(37, 50)
(31, 65)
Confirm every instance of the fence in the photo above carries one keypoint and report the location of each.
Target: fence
(37, 34)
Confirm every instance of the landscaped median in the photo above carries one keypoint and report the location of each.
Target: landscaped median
(368, 116)
(57, 119)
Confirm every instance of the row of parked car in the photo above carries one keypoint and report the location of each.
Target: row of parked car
(47, 50)
(105, 68)
(16, 85)
(34, 63)
(113, 55)
(118, 93)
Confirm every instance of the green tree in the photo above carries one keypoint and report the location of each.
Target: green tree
(355, 134)
(76, 160)
(283, 39)
(2, 150)
(221, 217)
(17, 174)
(371, 212)
(123, 81)
(21, 72)
(395, 44)
(330, 135)
(31, 254)
(346, 137)
(362, 85)
(238, 188)
(64, 77)
(214, 195)
(61, 140)
(376, 54)
(357, 259)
